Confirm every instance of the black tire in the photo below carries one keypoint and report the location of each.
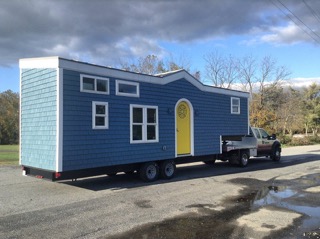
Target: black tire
(129, 172)
(167, 169)
(149, 172)
(210, 162)
(244, 158)
(276, 154)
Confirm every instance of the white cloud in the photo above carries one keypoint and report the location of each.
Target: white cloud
(103, 30)
(302, 81)
(290, 34)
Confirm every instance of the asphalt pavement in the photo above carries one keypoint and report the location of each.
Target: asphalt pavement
(264, 200)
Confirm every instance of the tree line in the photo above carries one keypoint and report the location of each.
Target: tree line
(275, 104)
(9, 117)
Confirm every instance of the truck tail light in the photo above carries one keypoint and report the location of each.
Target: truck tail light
(57, 175)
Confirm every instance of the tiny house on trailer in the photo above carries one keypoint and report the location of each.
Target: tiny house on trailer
(79, 119)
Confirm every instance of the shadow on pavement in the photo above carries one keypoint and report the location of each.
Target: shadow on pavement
(189, 171)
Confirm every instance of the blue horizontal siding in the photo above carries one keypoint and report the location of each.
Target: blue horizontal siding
(38, 118)
(84, 147)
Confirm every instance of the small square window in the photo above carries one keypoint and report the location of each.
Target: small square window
(100, 115)
(102, 85)
(88, 83)
(235, 105)
(100, 109)
(125, 88)
(100, 121)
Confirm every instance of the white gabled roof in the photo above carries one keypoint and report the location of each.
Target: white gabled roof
(161, 79)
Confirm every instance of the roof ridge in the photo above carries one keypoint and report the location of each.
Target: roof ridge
(168, 73)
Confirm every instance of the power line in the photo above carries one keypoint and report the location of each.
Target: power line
(314, 13)
(300, 21)
(294, 21)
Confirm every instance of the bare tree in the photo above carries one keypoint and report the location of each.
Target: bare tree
(152, 65)
(214, 68)
(222, 71)
(175, 63)
(247, 70)
(270, 75)
(231, 72)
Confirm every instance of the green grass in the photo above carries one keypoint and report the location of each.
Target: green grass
(9, 155)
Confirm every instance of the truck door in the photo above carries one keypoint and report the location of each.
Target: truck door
(256, 133)
(266, 143)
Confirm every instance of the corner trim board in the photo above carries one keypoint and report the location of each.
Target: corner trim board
(59, 136)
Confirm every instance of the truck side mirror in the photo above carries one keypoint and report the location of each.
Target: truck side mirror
(272, 137)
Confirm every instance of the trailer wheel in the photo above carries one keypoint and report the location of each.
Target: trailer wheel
(210, 162)
(276, 154)
(149, 171)
(243, 159)
(167, 169)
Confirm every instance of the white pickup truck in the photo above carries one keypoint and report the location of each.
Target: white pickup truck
(258, 143)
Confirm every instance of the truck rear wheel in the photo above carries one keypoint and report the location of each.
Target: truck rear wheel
(244, 158)
(149, 171)
(167, 169)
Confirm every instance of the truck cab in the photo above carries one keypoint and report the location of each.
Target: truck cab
(266, 144)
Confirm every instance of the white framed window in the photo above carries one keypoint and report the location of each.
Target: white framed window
(126, 88)
(235, 105)
(144, 127)
(100, 115)
(93, 84)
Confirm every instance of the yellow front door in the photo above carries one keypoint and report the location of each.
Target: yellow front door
(183, 128)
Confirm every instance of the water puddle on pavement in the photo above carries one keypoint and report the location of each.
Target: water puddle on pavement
(288, 208)
(291, 199)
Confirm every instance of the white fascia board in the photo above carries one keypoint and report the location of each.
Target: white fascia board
(40, 62)
(106, 71)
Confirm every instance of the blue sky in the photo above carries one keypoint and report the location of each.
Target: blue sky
(105, 32)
